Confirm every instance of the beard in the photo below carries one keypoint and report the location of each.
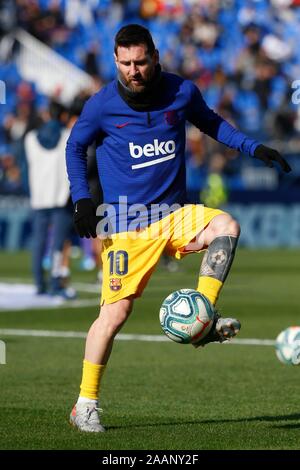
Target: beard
(137, 84)
(141, 96)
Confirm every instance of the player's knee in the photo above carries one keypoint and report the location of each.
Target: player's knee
(118, 314)
(225, 224)
(234, 227)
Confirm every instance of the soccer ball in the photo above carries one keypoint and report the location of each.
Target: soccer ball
(186, 316)
(288, 346)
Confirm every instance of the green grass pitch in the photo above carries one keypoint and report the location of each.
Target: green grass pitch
(159, 395)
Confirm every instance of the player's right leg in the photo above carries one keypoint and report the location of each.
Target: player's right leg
(129, 259)
(99, 343)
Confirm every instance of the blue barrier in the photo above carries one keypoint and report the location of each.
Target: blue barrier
(267, 225)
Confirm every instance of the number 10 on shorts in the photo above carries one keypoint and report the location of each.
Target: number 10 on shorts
(118, 262)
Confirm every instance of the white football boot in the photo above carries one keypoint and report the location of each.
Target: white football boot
(85, 417)
(223, 329)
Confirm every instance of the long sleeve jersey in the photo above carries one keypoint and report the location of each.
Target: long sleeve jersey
(141, 154)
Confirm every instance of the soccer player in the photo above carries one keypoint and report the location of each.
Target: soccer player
(138, 122)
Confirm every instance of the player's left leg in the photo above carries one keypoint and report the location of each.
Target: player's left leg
(220, 237)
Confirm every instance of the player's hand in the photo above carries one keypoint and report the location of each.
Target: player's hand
(268, 156)
(85, 219)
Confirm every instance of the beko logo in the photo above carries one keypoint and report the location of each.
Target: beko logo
(164, 149)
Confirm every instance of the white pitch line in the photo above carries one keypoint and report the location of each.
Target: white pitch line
(254, 342)
(65, 304)
(42, 333)
(121, 337)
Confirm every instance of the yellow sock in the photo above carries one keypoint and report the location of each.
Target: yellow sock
(91, 378)
(210, 287)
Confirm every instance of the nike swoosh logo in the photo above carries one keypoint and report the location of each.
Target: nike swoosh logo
(119, 126)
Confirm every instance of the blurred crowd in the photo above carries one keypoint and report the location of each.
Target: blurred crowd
(243, 55)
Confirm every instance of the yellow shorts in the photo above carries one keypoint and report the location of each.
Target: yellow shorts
(129, 258)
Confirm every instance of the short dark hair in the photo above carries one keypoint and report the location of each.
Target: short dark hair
(56, 110)
(132, 35)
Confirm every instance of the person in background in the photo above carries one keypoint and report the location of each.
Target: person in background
(49, 197)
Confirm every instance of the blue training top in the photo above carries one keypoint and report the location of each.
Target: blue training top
(141, 154)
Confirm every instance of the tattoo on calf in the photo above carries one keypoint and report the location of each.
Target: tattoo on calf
(218, 257)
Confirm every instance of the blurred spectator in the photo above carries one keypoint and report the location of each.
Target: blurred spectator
(215, 192)
(49, 195)
(10, 175)
(7, 16)
(249, 55)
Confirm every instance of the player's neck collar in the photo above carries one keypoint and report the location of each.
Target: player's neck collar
(145, 100)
